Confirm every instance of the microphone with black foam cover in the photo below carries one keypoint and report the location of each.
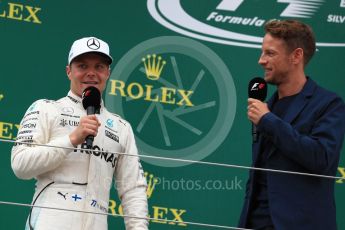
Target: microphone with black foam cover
(257, 89)
(91, 99)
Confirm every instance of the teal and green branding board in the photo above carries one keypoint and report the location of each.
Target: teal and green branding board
(179, 76)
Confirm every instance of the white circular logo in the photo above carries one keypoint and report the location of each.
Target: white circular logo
(175, 112)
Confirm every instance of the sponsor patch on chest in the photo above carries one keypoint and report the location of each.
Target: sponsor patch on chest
(112, 136)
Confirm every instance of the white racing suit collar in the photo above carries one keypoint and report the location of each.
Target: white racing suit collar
(78, 100)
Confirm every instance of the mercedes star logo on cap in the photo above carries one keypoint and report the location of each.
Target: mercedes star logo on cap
(93, 43)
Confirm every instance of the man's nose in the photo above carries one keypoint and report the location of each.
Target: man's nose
(262, 60)
(91, 72)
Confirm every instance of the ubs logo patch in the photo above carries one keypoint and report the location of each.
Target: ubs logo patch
(65, 122)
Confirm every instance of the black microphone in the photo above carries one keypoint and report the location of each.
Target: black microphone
(257, 89)
(91, 99)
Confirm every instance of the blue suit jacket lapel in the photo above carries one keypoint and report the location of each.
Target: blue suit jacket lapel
(299, 103)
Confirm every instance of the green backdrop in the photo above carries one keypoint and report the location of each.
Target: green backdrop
(195, 110)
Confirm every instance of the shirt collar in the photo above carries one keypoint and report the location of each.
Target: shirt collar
(74, 98)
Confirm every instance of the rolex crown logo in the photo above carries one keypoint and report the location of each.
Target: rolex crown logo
(151, 183)
(1, 97)
(153, 66)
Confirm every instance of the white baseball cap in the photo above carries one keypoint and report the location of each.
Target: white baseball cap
(87, 45)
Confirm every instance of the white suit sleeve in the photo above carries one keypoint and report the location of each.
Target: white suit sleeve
(131, 185)
(29, 161)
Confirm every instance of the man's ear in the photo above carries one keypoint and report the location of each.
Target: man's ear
(68, 71)
(298, 56)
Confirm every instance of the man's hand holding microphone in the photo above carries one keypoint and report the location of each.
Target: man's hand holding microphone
(257, 92)
(88, 125)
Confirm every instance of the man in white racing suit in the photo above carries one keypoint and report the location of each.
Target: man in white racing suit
(80, 179)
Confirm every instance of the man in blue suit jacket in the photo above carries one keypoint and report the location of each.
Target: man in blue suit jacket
(301, 129)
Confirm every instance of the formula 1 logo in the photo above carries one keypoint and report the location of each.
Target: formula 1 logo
(295, 8)
(240, 22)
(257, 86)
